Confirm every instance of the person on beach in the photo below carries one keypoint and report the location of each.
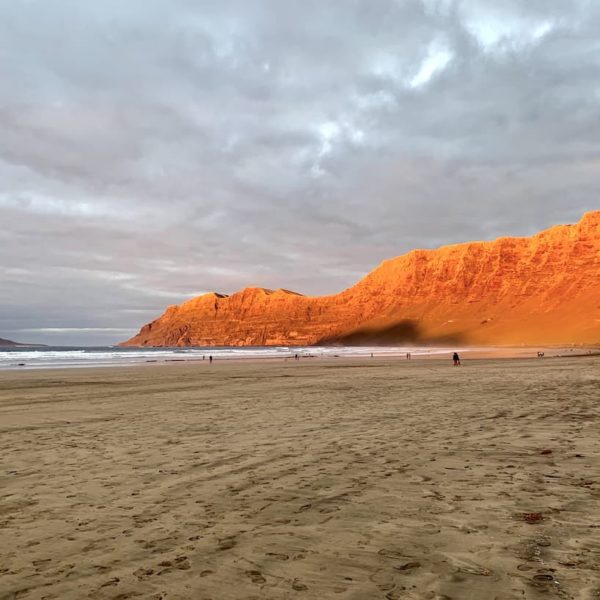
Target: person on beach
(408, 356)
(210, 359)
(456, 359)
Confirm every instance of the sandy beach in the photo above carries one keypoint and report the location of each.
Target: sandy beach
(311, 479)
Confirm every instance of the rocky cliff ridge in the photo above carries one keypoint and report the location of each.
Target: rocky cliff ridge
(10, 344)
(539, 290)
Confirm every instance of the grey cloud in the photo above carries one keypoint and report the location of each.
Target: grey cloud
(158, 149)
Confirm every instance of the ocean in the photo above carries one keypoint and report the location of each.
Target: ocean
(63, 356)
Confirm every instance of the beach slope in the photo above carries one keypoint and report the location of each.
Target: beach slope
(312, 479)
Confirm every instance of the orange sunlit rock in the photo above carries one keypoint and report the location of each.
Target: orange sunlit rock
(539, 290)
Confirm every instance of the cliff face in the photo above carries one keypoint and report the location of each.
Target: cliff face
(543, 289)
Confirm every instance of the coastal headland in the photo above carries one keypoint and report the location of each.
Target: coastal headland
(372, 478)
(10, 344)
(511, 291)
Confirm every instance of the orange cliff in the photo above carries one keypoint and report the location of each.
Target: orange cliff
(539, 290)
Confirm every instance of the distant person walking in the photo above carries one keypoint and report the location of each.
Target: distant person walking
(408, 356)
(456, 359)
(210, 359)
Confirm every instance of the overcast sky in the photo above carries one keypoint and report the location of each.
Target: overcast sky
(153, 150)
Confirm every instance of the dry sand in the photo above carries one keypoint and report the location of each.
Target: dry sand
(318, 479)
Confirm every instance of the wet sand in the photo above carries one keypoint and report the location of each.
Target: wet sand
(309, 479)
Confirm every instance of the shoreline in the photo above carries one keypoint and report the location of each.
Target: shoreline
(418, 354)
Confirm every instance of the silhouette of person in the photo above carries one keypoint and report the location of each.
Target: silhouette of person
(210, 359)
(456, 359)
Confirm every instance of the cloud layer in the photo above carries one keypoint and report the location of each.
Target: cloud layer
(153, 150)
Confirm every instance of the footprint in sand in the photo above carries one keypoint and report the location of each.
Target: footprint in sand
(329, 509)
(299, 556)
(528, 550)
(101, 568)
(182, 563)
(227, 543)
(409, 566)
(545, 582)
(256, 577)
(383, 580)
(41, 564)
(142, 573)
(395, 554)
(278, 556)
(298, 586)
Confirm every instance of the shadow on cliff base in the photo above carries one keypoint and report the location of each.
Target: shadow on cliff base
(405, 332)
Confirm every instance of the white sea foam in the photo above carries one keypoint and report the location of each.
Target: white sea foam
(113, 356)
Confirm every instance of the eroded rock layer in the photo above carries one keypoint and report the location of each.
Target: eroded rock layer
(539, 290)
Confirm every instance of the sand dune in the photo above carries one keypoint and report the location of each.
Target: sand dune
(323, 479)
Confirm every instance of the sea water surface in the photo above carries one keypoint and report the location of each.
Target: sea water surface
(64, 356)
